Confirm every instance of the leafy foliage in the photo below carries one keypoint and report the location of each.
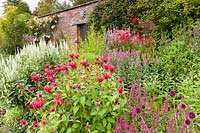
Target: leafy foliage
(78, 2)
(13, 28)
(112, 14)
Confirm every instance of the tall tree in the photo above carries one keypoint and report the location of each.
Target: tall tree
(50, 6)
(78, 2)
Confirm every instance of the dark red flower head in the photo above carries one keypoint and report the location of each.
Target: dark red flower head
(192, 115)
(187, 122)
(172, 93)
(134, 19)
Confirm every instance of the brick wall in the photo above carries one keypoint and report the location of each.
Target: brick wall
(69, 19)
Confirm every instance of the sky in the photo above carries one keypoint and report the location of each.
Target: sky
(32, 4)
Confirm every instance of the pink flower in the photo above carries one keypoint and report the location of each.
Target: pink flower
(106, 76)
(98, 102)
(105, 60)
(73, 56)
(78, 87)
(31, 90)
(183, 127)
(59, 102)
(111, 68)
(39, 95)
(88, 127)
(52, 109)
(23, 122)
(64, 67)
(85, 63)
(48, 88)
(35, 124)
(35, 77)
(120, 91)
(100, 79)
(58, 68)
(51, 79)
(73, 65)
(106, 66)
(47, 66)
(37, 104)
(49, 72)
(58, 96)
(120, 80)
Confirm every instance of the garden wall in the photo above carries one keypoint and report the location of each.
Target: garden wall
(72, 20)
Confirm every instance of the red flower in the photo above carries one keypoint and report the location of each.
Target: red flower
(105, 66)
(49, 72)
(120, 80)
(105, 60)
(47, 66)
(51, 79)
(39, 95)
(100, 79)
(23, 122)
(73, 56)
(37, 104)
(111, 68)
(35, 124)
(85, 63)
(120, 91)
(48, 88)
(87, 127)
(58, 68)
(58, 96)
(52, 109)
(64, 67)
(149, 40)
(59, 102)
(97, 63)
(73, 64)
(106, 76)
(134, 19)
(78, 87)
(35, 77)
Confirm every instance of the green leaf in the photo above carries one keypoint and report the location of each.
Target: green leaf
(82, 100)
(102, 112)
(109, 127)
(75, 109)
(93, 112)
(111, 120)
(104, 122)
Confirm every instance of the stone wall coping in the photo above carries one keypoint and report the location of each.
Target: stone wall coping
(85, 4)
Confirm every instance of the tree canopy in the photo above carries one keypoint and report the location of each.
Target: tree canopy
(78, 2)
(50, 6)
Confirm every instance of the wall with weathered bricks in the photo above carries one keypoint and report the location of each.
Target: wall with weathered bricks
(69, 19)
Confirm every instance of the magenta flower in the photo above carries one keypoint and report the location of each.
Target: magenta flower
(182, 106)
(187, 122)
(100, 79)
(52, 110)
(51, 79)
(35, 124)
(106, 76)
(48, 88)
(120, 91)
(172, 93)
(47, 66)
(85, 63)
(73, 65)
(111, 68)
(49, 72)
(37, 104)
(105, 60)
(137, 110)
(35, 77)
(23, 122)
(58, 68)
(192, 115)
